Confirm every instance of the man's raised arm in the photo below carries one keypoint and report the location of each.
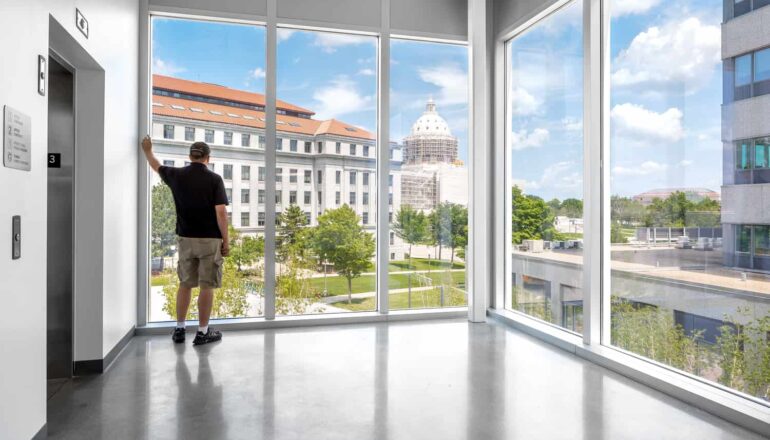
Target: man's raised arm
(151, 159)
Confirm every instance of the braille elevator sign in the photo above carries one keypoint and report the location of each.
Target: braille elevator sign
(17, 146)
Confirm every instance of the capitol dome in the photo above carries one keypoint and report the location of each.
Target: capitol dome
(430, 123)
(430, 140)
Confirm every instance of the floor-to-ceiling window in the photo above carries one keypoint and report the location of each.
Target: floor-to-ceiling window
(326, 182)
(544, 142)
(688, 286)
(428, 182)
(208, 84)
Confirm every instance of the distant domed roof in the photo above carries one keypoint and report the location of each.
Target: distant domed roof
(430, 123)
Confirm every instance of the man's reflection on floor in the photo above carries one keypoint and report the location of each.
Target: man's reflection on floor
(199, 402)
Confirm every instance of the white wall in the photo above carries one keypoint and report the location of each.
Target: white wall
(113, 44)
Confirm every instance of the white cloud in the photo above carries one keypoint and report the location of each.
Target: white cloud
(685, 163)
(639, 124)
(366, 72)
(284, 34)
(680, 53)
(572, 124)
(258, 73)
(330, 41)
(451, 80)
(168, 68)
(646, 168)
(340, 97)
(630, 7)
(524, 103)
(560, 176)
(523, 139)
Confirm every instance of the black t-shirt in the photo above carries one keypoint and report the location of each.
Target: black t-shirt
(197, 190)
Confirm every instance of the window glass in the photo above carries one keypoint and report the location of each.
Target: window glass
(545, 145)
(168, 132)
(681, 220)
(743, 70)
(762, 240)
(315, 271)
(743, 155)
(183, 53)
(761, 150)
(428, 184)
(246, 140)
(762, 65)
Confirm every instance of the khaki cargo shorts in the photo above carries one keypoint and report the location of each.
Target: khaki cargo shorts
(200, 262)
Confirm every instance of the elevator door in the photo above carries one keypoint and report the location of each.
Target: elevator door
(61, 140)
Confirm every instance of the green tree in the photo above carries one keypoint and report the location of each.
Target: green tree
(440, 226)
(458, 229)
(531, 218)
(245, 250)
(627, 211)
(411, 226)
(616, 233)
(163, 233)
(340, 239)
(291, 237)
(572, 208)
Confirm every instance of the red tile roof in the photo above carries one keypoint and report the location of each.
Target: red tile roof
(208, 112)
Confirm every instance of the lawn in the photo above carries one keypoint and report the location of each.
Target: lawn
(339, 285)
(423, 264)
(421, 299)
(162, 279)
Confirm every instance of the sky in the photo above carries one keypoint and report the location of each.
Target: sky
(332, 74)
(665, 99)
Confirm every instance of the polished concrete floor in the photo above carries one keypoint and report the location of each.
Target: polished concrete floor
(424, 380)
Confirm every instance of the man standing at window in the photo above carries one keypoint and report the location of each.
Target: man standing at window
(201, 227)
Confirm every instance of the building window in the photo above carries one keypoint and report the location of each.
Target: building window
(292, 197)
(229, 192)
(320, 147)
(228, 138)
(245, 172)
(260, 219)
(365, 218)
(278, 175)
(244, 219)
(168, 163)
(168, 131)
(307, 218)
(246, 140)
(338, 147)
(741, 7)
(227, 172)
(278, 197)
(390, 217)
(278, 144)
(245, 196)
(390, 180)
(752, 74)
(308, 176)
(292, 176)
(365, 198)
(366, 151)
(209, 136)
(293, 145)
(308, 147)
(189, 133)
(320, 177)
(261, 196)
(261, 142)
(320, 198)
(210, 166)
(261, 174)
(366, 179)
(186, 163)
(337, 197)
(338, 177)
(743, 155)
(307, 198)
(743, 239)
(392, 238)
(352, 149)
(352, 177)
(352, 198)
(390, 199)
